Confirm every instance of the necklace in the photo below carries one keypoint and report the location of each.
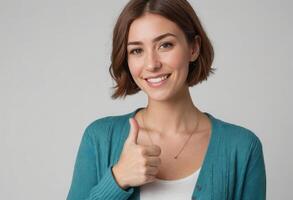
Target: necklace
(177, 155)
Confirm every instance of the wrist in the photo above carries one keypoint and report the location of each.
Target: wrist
(119, 180)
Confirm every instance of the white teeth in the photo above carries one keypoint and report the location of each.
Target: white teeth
(157, 80)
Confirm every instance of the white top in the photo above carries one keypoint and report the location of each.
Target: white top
(179, 189)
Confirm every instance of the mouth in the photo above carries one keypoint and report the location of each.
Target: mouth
(158, 81)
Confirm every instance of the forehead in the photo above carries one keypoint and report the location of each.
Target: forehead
(149, 26)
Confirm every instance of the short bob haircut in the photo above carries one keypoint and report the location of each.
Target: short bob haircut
(177, 11)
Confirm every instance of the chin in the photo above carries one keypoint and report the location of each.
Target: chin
(159, 96)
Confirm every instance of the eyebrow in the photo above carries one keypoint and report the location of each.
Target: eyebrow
(154, 40)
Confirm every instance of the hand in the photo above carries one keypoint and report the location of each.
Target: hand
(138, 164)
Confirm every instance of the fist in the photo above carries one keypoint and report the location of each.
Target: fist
(138, 164)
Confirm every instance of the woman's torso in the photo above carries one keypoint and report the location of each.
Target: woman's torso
(189, 160)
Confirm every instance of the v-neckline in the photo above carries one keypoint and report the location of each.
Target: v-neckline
(206, 161)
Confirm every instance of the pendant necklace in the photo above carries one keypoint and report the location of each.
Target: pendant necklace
(177, 155)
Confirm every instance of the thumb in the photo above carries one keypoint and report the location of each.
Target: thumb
(133, 132)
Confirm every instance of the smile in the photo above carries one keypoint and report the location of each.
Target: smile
(157, 82)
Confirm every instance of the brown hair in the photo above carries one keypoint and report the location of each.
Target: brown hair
(178, 11)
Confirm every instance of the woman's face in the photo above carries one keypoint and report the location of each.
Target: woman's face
(158, 47)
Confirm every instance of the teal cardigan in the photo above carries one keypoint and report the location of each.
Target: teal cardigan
(233, 167)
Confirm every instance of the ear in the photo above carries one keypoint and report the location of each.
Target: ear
(195, 48)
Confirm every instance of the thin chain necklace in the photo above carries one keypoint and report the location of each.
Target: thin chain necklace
(177, 155)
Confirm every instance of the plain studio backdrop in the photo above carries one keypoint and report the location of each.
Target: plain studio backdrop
(54, 81)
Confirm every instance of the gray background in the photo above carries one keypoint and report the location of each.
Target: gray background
(54, 81)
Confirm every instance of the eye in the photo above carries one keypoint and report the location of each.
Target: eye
(167, 45)
(135, 51)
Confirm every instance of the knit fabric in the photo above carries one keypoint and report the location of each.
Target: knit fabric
(233, 167)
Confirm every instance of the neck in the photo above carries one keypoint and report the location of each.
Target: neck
(172, 117)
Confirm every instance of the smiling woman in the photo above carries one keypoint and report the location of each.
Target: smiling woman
(168, 149)
(159, 56)
(184, 20)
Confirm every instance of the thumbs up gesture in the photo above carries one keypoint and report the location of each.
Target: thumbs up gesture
(138, 164)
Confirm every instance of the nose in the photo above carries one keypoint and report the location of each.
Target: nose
(152, 61)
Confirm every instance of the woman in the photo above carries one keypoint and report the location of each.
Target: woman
(168, 149)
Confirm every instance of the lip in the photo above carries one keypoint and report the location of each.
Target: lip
(159, 84)
(156, 76)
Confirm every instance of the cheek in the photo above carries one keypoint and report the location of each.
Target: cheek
(134, 68)
(177, 59)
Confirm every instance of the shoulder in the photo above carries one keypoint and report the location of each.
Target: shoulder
(237, 137)
(103, 128)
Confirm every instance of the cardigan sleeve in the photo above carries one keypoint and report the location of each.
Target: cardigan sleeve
(254, 187)
(85, 183)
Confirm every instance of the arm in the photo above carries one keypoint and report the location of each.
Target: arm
(254, 187)
(86, 185)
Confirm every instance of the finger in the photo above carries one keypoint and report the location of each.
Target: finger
(153, 161)
(152, 171)
(150, 178)
(152, 150)
(133, 133)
